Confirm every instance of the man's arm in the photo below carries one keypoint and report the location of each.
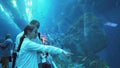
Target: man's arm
(4, 44)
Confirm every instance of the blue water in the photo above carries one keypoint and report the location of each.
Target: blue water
(56, 17)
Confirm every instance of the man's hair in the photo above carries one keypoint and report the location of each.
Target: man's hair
(33, 22)
(7, 36)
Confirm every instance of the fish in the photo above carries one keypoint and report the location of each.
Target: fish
(111, 24)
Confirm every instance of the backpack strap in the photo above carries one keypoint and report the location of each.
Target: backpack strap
(21, 41)
(39, 37)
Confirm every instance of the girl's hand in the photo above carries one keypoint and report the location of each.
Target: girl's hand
(67, 53)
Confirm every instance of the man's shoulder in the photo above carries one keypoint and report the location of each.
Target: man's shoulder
(20, 34)
(37, 40)
(9, 40)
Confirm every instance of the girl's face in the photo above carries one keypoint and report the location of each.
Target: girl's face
(33, 34)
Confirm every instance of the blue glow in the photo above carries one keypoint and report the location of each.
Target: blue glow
(1, 8)
(28, 9)
(28, 13)
(14, 3)
(29, 3)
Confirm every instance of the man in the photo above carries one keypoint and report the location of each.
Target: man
(46, 58)
(6, 46)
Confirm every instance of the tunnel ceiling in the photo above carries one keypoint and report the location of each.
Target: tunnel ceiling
(56, 12)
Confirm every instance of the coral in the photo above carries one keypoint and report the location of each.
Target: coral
(85, 37)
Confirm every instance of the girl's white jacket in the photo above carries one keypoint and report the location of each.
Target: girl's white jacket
(27, 56)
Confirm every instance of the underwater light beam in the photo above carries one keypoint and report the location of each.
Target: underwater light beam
(30, 3)
(85, 20)
(1, 8)
(28, 9)
(14, 3)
